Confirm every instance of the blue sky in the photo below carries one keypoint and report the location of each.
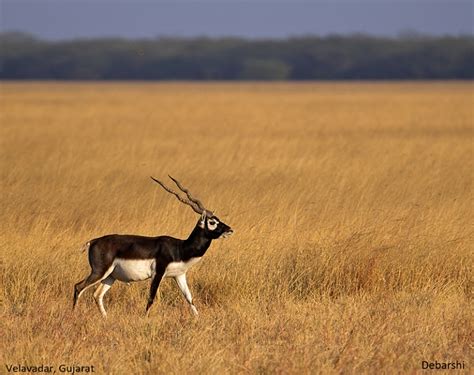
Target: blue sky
(66, 19)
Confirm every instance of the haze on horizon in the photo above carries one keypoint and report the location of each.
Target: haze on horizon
(69, 19)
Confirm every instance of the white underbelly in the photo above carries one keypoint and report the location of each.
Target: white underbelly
(133, 269)
(179, 268)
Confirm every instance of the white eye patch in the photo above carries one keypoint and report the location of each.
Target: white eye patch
(212, 224)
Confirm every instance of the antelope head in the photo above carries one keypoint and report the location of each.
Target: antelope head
(213, 227)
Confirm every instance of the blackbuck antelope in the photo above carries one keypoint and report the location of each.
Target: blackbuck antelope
(135, 258)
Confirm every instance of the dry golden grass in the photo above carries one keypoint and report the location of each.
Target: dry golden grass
(352, 205)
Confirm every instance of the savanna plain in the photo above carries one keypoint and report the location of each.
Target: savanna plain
(351, 204)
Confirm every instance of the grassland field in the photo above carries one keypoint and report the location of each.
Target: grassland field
(351, 203)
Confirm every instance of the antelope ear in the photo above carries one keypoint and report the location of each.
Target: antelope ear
(203, 216)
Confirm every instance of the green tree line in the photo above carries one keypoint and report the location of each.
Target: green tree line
(23, 56)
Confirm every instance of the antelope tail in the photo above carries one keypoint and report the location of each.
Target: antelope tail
(85, 246)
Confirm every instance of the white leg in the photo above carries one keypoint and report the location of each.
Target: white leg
(183, 285)
(99, 294)
(104, 276)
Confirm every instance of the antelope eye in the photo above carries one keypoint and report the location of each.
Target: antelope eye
(212, 224)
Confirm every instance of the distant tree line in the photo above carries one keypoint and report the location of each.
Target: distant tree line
(303, 58)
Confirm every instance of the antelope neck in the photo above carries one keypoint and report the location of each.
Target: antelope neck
(196, 244)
